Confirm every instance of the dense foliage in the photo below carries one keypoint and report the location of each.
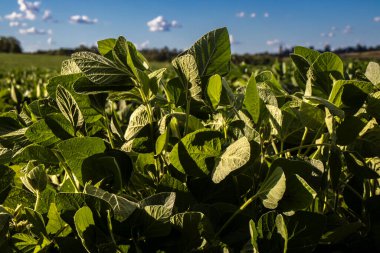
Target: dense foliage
(111, 156)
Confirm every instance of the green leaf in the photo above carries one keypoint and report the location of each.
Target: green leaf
(55, 223)
(84, 86)
(309, 54)
(85, 226)
(106, 46)
(357, 166)
(194, 229)
(35, 152)
(373, 104)
(373, 73)
(305, 230)
(273, 188)
(282, 230)
(36, 179)
(214, 90)
(212, 53)
(187, 70)
(40, 133)
(69, 107)
(252, 99)
(99, 69)
(139, 118)
(122, 208)
(349, 130)
(234, 157)
(19, 196)
(6, 177)
(194, 154)
(69, 67)
(37, 222)
(325, 66)
(334, 110)
(25, 243)
(76, 150)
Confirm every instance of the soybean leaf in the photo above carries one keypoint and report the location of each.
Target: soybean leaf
(85, 226)
(309, 54)
(214, 90)
(69, 107)
(98, 69)
(234, 157)
(194, 154)
(273, 188)
(76, 150)
(212, 53)
(373, 73)
(35, 152)
(122, 208)
(252, 99)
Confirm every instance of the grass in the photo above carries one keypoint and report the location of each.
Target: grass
(25, 61)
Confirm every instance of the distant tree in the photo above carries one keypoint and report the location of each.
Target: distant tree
(10, 45)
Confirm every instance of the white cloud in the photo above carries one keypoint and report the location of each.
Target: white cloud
(82, 19)
(14, 16)
(330, 34)
(143, 45)
(29, 6)
(376, 19)
(47, 15)
(50, 41)
(33, 30)
(273, 42)
(240, 14)
(253, 15)
(160, 24)
(28, 10)
(347, 29)
(233, 41)
(266, 15)
(14, 24)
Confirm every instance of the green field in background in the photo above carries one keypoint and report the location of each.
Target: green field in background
(25, 61)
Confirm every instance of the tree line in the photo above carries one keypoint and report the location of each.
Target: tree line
(10, 45)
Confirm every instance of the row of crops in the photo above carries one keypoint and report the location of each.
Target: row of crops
(111, 155)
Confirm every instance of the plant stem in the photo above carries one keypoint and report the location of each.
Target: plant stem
(303, 140)
(188, 102)
(304, 146)
(38, 200)
(241, 208)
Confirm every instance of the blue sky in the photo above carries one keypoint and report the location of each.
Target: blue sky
(254, 25)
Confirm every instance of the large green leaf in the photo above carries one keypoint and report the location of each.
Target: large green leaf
(194, 154)
(76, 150)
(234, 157)
(252, 99)
(273, 188)
(212, 53)
(373, 73)
(309, 54)
(99, 69)
(35, 152)
(122, 208)
(6, 177)
(85, 226)
(69, 107)
(214, 90)
(40, 133)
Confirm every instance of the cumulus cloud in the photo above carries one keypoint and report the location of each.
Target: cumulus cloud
(160, 24)
(347, 29)
(14, 24)
(28, 10)
(240, 14)
(143, 45)
(376, 19)
(266, 15)
(34, 31)
(82, 19)
(14, 16)
(273, 42)
(253, 15)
